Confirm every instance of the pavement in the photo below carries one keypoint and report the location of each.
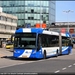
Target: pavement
(1, 53)
(5, 52)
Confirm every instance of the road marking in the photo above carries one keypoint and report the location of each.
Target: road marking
(63, 68)
(70, 66)
(74, 64)
(57, 71)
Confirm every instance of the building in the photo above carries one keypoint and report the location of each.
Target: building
(30, 12)
(68, 26)
(8, 24)
(64, 27)
(64, 23)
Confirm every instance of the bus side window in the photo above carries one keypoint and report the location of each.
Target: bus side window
(69, 43)
(39, 43)
(44, 40)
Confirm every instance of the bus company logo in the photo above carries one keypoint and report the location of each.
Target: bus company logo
(26, 51)
(16, 51)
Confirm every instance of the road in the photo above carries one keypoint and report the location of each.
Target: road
(60, 64)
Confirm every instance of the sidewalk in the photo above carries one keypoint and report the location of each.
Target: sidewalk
(2, 55)
(1, 52)
(4, 52)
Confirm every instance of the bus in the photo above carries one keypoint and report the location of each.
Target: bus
(40, 43)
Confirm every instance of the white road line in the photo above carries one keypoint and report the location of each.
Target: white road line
(70, 66)
(63, 68)
(57, 71)
(74, 64)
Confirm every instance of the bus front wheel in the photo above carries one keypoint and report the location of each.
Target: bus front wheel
(44, 54)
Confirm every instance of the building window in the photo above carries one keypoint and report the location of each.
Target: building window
(13, 28)
(2, 27)
(8, 27)
(32, 10)
(8, 19)
(2, 18)
(44, 10)
(29, 18)
(14, 21)
(32, 18)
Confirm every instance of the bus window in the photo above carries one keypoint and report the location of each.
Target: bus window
(54, 41)
(27, 41)
(49, 40)
(65, 41)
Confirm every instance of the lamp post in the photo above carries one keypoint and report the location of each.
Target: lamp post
(67, 12)
(40, 14)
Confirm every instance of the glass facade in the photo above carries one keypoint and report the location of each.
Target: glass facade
(30, 12)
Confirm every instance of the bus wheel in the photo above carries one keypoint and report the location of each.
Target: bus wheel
(44, 54)
(57, 53)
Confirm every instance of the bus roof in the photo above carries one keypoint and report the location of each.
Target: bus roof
(40, 31)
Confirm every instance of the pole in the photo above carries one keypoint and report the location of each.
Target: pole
(67, 12)
(68, 21)
(40, 14)
(60, 43)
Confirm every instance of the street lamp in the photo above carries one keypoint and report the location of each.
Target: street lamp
(67, 12)
(41, 14)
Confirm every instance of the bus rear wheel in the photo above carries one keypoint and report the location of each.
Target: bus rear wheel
(44, 54)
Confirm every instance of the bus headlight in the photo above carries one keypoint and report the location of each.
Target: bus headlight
(16, 51)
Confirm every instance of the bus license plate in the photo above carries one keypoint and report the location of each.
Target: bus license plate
(24, 56)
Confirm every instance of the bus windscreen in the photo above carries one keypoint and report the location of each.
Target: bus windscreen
(25, 40)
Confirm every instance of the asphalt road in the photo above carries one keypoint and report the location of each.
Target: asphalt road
(60, 64)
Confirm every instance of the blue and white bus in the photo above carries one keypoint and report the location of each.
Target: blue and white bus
(40, 43)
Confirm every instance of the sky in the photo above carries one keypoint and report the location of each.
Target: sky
(65, 6)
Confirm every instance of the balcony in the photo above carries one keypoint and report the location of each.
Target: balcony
(7, 31)
(8, 23)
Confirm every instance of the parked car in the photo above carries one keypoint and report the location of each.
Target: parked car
(9, 45)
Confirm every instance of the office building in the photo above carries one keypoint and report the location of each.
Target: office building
(8, 24)
(30, 12)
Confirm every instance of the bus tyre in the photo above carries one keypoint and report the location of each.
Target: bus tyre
(44, 54)
(57, 53)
